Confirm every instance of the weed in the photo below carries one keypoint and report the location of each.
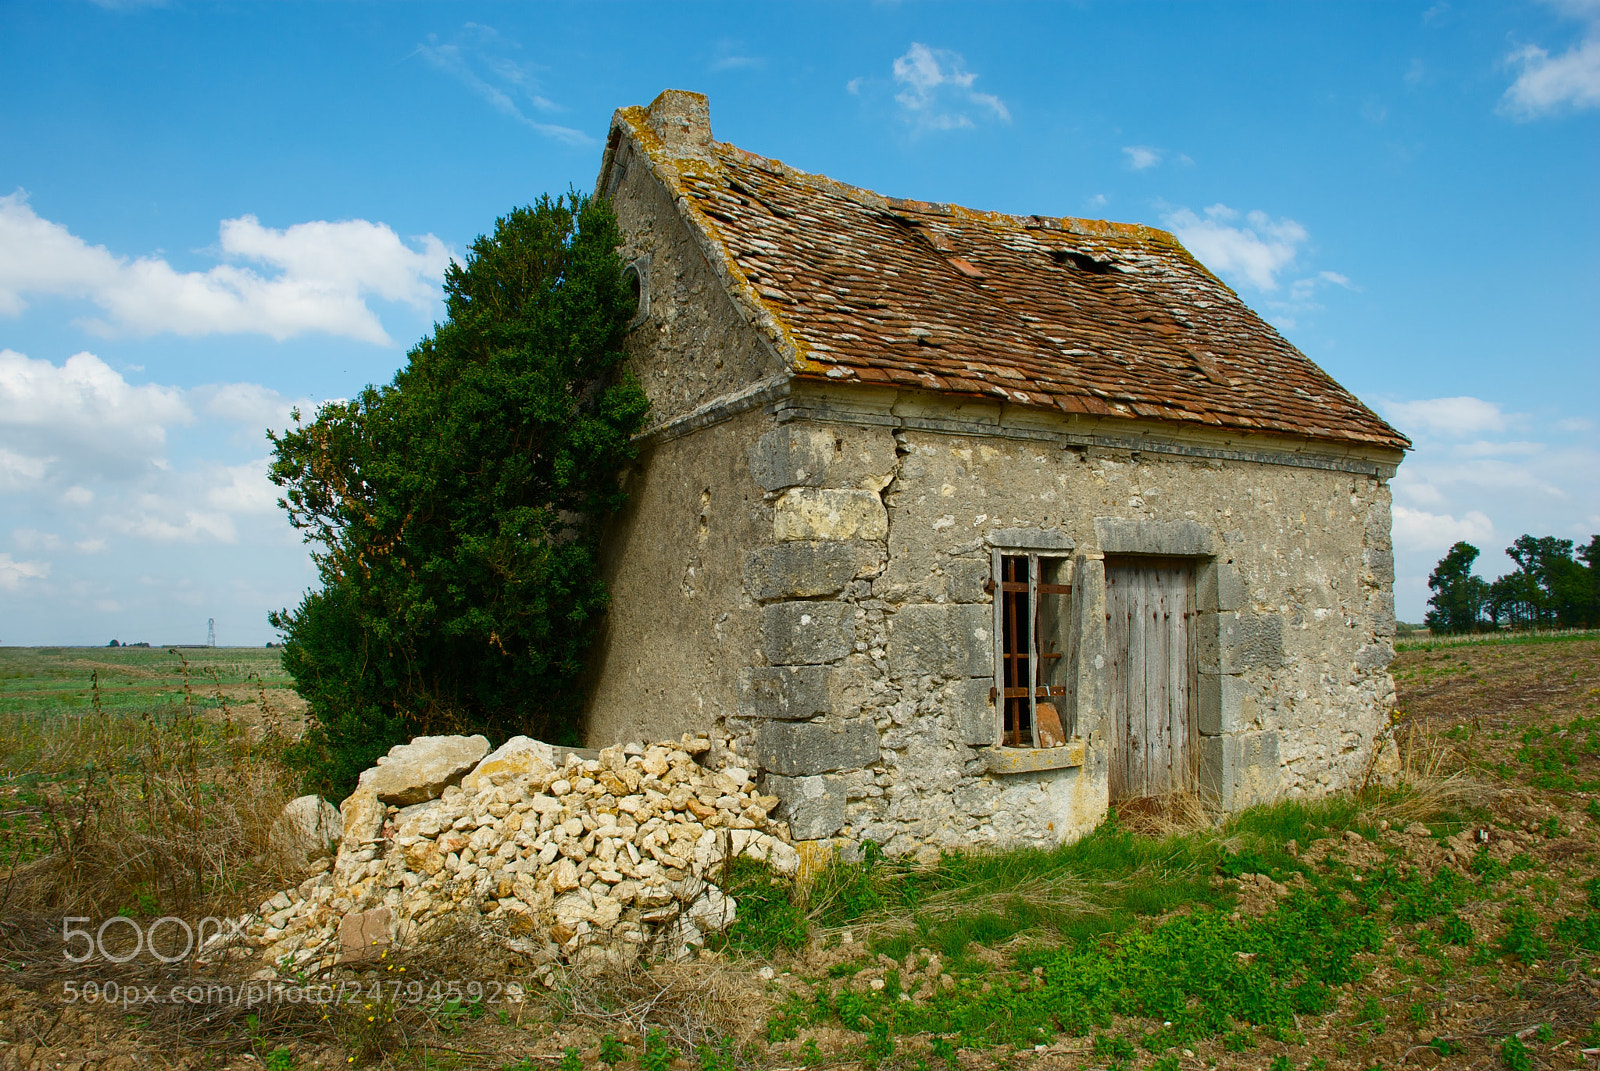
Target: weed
(1281, 1062)
(1457, 930)
(1515, 1055)
(1580, 930)
(769, 916)
(1520, 938)
(811, 1054)
(279, 1059)
(942, 1050)
(571, 1059)
(1169, 1062)
(1417, 1013)
(1444, 1046)
(719, 1057)
(658, 1052)
(1113, 1046)
(612, 1051)
(1238, 1041)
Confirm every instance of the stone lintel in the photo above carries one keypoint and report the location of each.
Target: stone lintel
(1030, 539)
(1183, 539)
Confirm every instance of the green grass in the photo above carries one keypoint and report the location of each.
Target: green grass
(1496, 639)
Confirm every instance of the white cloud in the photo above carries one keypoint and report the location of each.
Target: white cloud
(29, 539)
(242, 488)
(249, 404)
(483, 59)
(937, 91)
(1485, 475)
(1416, 530)
(1546, 84)
(1255, 252)
(1141, 157)
(325, 273)
(1454, 418)
(80, 418)
(13, 573)
(1097, 201)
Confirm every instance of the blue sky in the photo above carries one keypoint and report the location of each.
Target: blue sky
(210, 213)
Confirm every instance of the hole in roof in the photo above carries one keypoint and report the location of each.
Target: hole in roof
(1082, 261)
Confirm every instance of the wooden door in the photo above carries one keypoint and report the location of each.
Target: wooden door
(1150, 642)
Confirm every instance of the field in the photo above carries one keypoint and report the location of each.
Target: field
(1450, 918)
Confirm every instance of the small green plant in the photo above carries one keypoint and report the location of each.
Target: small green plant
(571, 1059)
(658, 1052)
(1515, 1055)
(1238, 1041)
(1281, 1062)
(612, 1051)
(812, 1055)
(1169, 1062)
(1457, 930)
(279, 1059)
(1545, 1033)
(1521, 938)
(1113, 1046)
(719, 1057)
(1552, 827)
(942, 1050)
(1370, 1012)
(1444, 1046)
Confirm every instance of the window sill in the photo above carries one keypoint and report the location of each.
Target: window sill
(1014, 760)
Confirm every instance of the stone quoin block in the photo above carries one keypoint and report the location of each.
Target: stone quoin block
(806, 570)
(973, 711)
(804, 455)
(1218, 586)
(1226, 704)
(788, 693)
(1238, 641)
(802, 748)
(942, 639)
(813, 806)
(1373, 657)
(807, 633)
(829, 513)
(1240, 770)
(795, 455)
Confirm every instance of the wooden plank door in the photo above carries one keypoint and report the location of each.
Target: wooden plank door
(1150, 642)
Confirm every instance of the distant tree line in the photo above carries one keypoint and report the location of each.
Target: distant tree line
(1551, 587)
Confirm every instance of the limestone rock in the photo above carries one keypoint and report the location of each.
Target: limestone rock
(306, 829)
(424, 768)
(518, 756)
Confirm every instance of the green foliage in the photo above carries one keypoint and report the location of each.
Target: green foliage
(1457, 930)
(1515, 1055)
(612, 1051)
(279, 1059)
(1551, 588)
(571, 1059)
(456, 513)
(1580, 930)
(1521, 938)
(770, 917)
(658, 1052)
(1459, 598)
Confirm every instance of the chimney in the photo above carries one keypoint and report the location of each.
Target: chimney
(682, 120)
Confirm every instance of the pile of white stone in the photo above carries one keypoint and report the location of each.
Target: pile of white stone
(590, 862)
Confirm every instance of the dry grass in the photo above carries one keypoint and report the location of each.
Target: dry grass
(163, 810)
(696, 1005)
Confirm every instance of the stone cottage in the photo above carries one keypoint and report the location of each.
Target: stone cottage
(964, 525)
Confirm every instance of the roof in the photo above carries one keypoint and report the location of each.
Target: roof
(1079, 316)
